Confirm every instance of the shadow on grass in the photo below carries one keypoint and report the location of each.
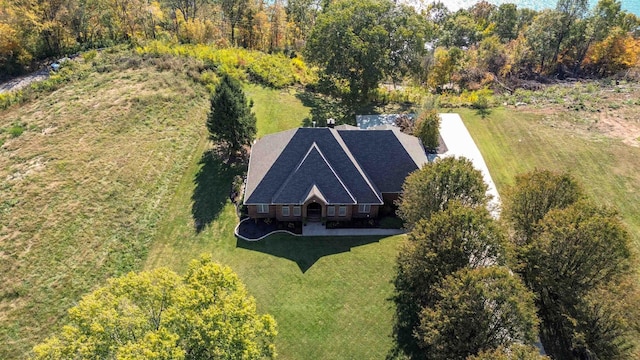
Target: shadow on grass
(324, 107)
(213, 187)
(305, 251)
(406, 319)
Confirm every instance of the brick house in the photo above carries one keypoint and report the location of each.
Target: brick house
(333, 174)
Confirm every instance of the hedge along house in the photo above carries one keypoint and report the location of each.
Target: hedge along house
(333, 174)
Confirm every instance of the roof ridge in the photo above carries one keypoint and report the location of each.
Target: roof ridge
(355, 162)
(398, 134)
(315, 146)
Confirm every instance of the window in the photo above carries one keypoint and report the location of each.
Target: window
(285, 210)
(297, 211)
(364, 209)
(331, 211)
(263, 208)
(342, 211)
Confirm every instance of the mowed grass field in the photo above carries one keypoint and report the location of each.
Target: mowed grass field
(515, 141)
(329, 296)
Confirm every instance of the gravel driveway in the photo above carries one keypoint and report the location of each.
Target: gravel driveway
(24, 81)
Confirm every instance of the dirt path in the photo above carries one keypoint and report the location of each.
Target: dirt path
(24, 81)
(626, 129)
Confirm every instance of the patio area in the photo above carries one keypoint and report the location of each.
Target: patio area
(250, 230)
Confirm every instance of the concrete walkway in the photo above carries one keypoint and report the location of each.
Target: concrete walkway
(317, 229)
(460, 143)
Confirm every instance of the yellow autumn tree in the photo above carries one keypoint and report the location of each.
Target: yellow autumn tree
(618, 51)
(205, 314)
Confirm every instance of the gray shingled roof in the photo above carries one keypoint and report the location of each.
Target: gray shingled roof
(382, 156)
(344, 166)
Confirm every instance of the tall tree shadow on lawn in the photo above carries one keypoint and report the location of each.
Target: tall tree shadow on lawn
(305, 251)
(324, 107)
(213, 186)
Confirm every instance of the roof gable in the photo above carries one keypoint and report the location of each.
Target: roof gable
(313, 175)
(331, 155)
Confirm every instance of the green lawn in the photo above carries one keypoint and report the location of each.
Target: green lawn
(329, 296)
(514, 141)
(95, 186)
(276, 110)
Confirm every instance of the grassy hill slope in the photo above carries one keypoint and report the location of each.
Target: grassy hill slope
(113, 173)
(83, 187)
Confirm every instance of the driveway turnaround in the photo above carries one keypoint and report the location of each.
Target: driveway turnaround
(460, 143)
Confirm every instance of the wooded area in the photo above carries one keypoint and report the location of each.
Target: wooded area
(357, 43)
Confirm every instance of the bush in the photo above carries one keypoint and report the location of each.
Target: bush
(16, 130)
(275, 70)
(10, 98)
(272, 70)
(391, 222)
(89, 55)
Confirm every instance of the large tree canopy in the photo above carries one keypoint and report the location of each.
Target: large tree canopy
(513, 352)
(360, 42)
(573, 263)
(478, 309)
(431, 188)
(456, 238)
(231, 119)
(207, 314)
(533, 195)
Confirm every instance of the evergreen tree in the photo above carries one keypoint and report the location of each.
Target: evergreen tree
(231, 120)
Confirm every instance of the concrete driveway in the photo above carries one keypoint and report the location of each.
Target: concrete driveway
(460, 143)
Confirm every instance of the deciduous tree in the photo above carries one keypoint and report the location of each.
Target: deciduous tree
(506, 20)
(477, 310)
(578, 250)
(511, 352)
(427, 129)
(234, 12)
(433, 187)
(358, 42)
(207, 314)
(446, 62)
(533, 195)
(350, 42)
(231, 120)
(456, 238)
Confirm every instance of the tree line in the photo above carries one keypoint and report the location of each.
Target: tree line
(358, 43)
(557, 268)
(482, 46)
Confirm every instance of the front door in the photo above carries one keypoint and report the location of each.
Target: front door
(314, 212)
